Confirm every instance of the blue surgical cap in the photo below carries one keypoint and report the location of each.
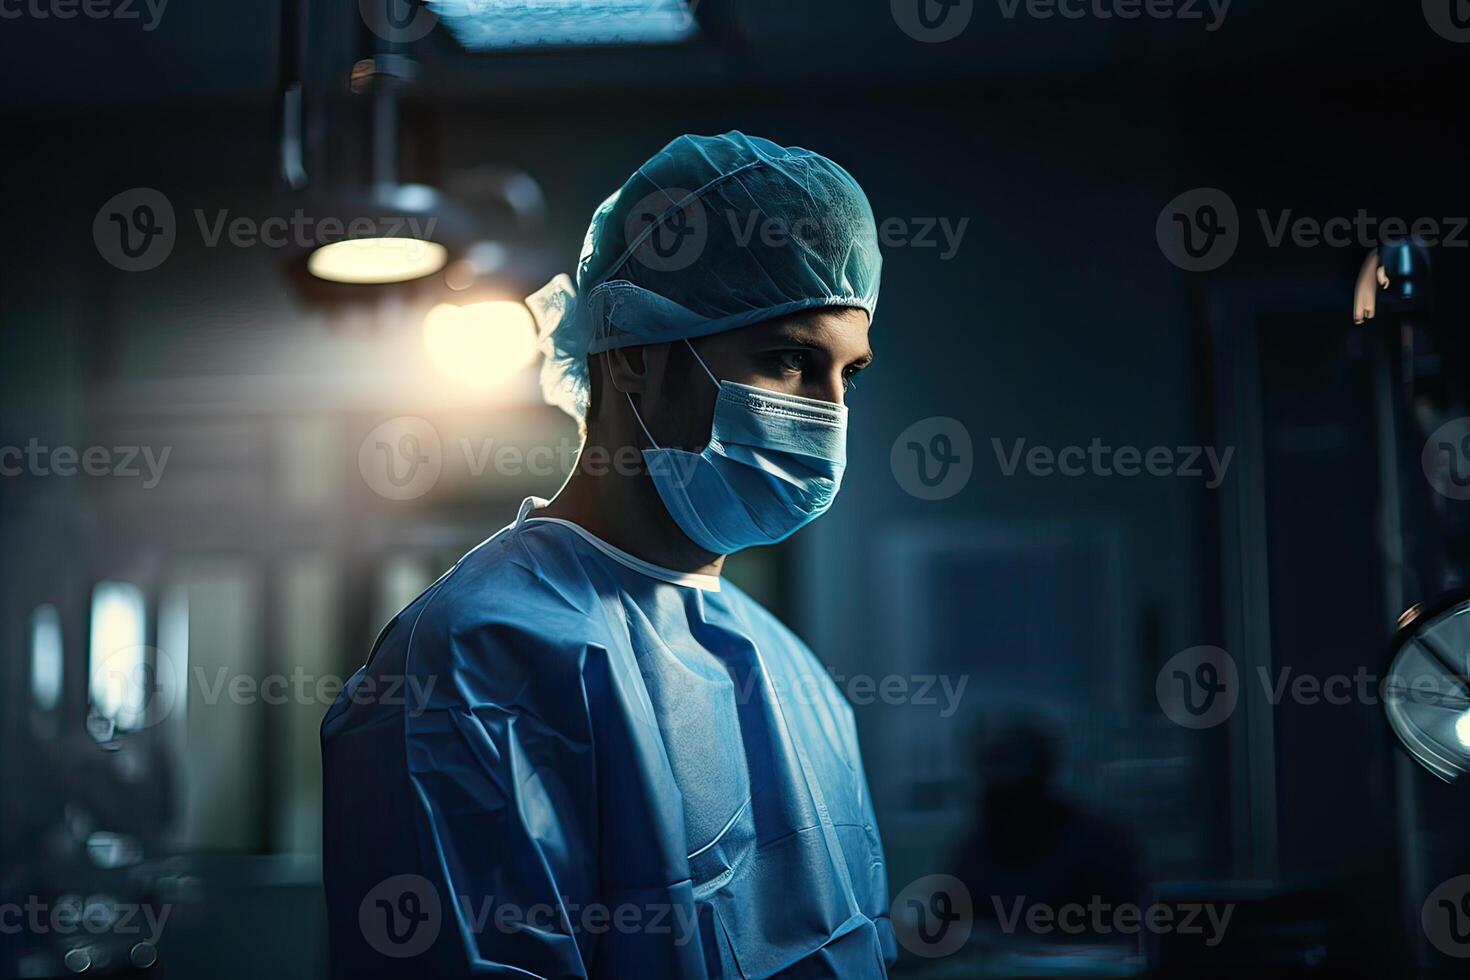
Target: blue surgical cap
(713, 233)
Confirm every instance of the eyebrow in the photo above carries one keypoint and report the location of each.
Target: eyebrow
(802, 336)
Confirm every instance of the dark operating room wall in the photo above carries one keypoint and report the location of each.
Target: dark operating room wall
(1054, 297)
(1056, 320)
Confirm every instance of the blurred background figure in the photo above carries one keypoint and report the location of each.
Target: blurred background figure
(1029, 843)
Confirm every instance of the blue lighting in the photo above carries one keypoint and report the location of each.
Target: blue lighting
(493, 25)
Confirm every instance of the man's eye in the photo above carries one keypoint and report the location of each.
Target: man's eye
(792, 360)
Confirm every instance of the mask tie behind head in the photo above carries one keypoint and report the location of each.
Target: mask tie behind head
(702, 364)
(638, 417)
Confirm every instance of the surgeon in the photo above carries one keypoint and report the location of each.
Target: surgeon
(581, 753)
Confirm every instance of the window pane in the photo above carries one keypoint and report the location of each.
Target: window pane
(117, 660)
(223, 712)
(46, 657)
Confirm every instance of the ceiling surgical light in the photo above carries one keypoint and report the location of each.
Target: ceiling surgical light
(496, 25)
(384, 230)
(398, 233)
(377, 260)
(373, 237)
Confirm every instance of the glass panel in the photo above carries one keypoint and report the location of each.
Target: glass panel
(401, 580)
(117, 661)
(309, 641)
(222, 727)
(46, 658)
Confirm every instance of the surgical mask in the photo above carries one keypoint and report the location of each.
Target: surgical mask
(773, 465)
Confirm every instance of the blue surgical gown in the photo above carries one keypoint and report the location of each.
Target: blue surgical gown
(591, 767)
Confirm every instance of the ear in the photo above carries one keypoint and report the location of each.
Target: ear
(631, 367)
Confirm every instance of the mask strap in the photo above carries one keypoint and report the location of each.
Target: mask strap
(701, 362)
(636, 416)
(639, 419)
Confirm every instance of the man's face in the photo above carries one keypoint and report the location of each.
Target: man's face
(814, 354)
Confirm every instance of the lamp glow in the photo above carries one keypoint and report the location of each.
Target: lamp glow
(481, 345)
(117, 660)
(377, 260)
(46, 657)
(1462, 728)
